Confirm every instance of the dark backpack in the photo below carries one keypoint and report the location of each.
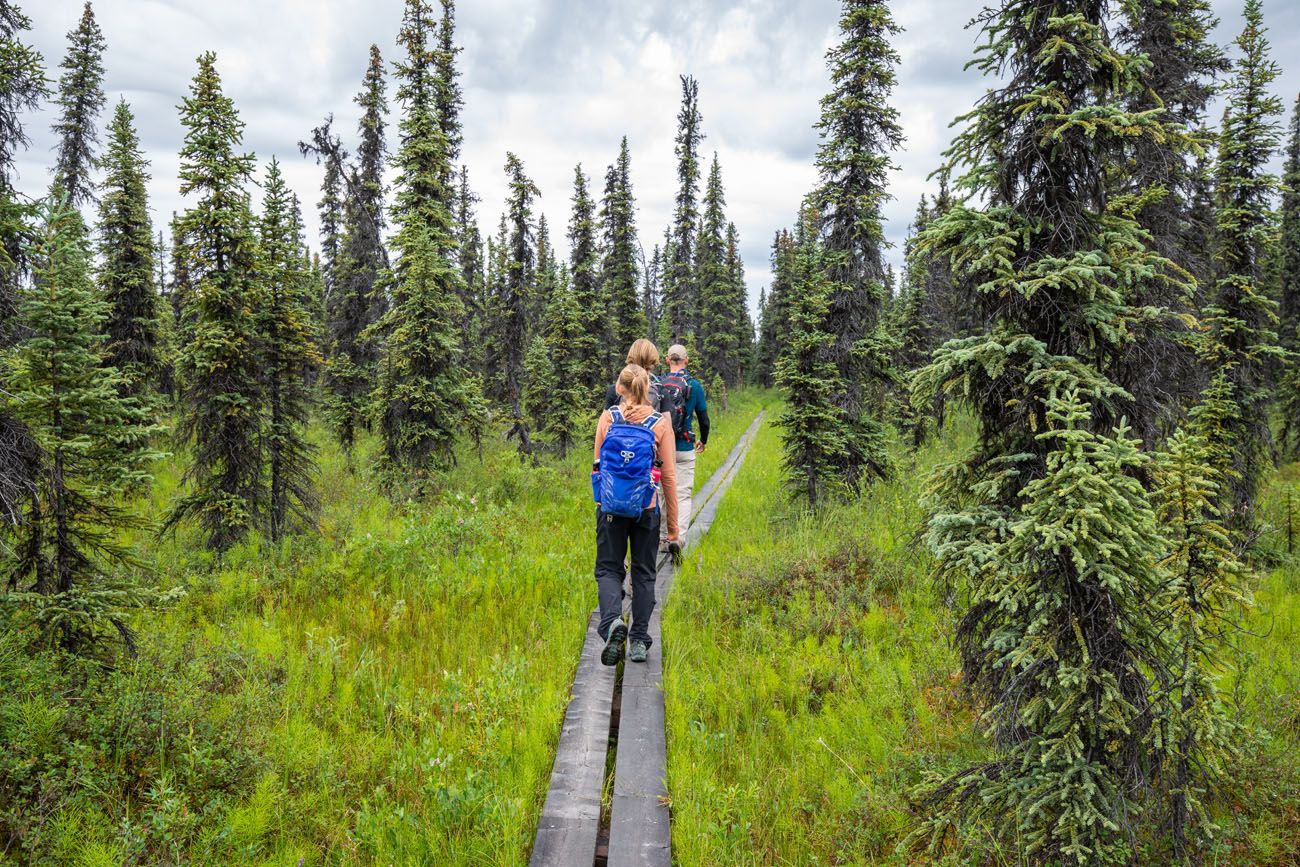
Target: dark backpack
(625, 482)
(674, 394)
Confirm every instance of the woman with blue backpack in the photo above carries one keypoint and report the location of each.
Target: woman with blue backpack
(635, 452)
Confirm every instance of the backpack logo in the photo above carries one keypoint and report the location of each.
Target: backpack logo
(627, 456)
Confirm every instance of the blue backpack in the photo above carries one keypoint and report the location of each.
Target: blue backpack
(627, 458)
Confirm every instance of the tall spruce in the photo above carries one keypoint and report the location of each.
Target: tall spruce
(592, 346)
(425, 396)
(73, 575)
(774, 322)
(811, 435)
(915, 327)
(859, 130)
(22, 87)
(620, 274)
(291, 351)
(1289, 245)
(652, 291)
(509, 322)
(680, 285)
(1163, 373)
(220, 361)
(357, 300)
(1046, 527)
(713, 279)
(80, 100)
(469, 241)
(126, 249)
(734, 365)
(1242, 319)
(449, 100)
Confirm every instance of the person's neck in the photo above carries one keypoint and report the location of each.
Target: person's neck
(680, 368)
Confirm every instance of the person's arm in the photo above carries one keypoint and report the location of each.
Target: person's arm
(611, 397)
(666, 452)
(701, 414)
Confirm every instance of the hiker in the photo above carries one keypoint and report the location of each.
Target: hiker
(644, 354)
(634, 444)
(683, 395)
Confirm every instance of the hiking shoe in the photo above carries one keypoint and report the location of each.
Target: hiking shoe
(613, 651)
(637, 651)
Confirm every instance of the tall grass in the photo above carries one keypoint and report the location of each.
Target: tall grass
(389, 691)
(810, 685)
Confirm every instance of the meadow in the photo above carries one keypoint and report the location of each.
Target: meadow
(811, 685)
(389, 690)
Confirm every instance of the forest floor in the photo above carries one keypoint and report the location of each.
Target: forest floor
(391, 690)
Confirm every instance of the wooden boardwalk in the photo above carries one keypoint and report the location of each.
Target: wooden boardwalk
(640, 830)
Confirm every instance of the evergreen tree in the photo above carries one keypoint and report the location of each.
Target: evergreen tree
(1046, 526)
(72, 573)
(470, 248)
(220, 363)
(126, 248)
(680, 285)
(713, 279)
(80, 99)
(556, 400)
(22, 87)
(858, 130)
(592, 346)
(1206, 586)
(509, 323)
(914, 326)
(328, 149)
(358, 300)
(425, 396)
(774, 324)
(811, 436)
(449, 101)
(1289, 211)
(545, 277)
(652, 291)
(290, 352)
(621, 276)
(734, 364)
(1162, 371)
(1242, 318)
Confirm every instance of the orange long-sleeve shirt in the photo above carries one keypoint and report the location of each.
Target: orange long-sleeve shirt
(665, 453)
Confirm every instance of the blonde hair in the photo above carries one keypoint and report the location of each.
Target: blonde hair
(644, 354)
(636, 385)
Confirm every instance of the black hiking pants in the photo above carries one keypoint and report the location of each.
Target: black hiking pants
(614, 537)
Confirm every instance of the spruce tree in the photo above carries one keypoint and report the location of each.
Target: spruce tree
(1206, 584)
(470, 247)
(291, 351)
(858, 129)
(680, 284)
(1289, 246)
(509, 324)
(22, 87)
(556, 400)
(1242, 319)
(545, 276)
(222, 399)
(1046, 527)
(652, 291)
(713, 279)
(592, 347)
(735, 364)
(73, 576)
(915, 328)
(620, 274)
(1162, 371)
(357, 300)
(330, 151)
(774, 323)
(811, 436)
(425, 396)
(126, 249)
(449, 100)
(80, 99)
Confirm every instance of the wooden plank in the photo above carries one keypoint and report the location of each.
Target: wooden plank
(640, 825)
(566, 833)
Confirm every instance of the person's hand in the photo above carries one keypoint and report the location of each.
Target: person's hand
(699, 447)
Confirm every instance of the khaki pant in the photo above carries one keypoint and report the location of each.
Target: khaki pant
(685, 483)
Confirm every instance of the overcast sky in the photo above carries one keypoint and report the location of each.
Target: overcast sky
(557, 82)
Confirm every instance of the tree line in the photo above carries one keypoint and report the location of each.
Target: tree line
(1110, 286)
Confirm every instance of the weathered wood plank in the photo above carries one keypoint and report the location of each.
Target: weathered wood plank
(566, 833)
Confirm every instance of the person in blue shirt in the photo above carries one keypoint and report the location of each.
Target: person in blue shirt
(688, 444)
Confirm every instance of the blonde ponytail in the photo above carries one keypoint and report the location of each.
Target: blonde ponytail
(636, 385)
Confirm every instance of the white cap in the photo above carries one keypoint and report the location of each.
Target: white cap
(677, 352)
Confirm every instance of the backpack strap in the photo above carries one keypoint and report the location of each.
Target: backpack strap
(652, 420)
(617, 415)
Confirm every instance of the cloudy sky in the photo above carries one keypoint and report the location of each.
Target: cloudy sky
(557, 82)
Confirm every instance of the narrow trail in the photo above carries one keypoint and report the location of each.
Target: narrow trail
(627, 715)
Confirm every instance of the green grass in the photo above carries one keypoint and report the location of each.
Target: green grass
(811, 685)
(388, 691)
